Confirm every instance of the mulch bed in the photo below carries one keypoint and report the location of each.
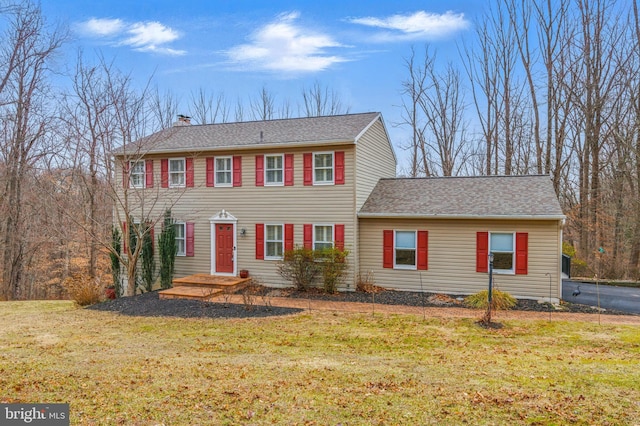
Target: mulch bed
(148, 304)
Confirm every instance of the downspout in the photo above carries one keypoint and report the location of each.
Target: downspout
(356, 224)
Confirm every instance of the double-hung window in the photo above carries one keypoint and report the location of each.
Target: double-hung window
(136, 174)
(323, 168)
(274, 241)
(405, 249)
(274, 170)
(177, 172)
(181, 238)
(322, 237)
(501, 244)
(224, 171)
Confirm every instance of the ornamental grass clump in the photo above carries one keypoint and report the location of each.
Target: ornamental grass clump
(84, 290)
(500, 300)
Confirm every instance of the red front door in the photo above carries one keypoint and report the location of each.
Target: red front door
(224, 247)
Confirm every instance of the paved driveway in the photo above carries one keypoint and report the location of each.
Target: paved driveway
(625, 299)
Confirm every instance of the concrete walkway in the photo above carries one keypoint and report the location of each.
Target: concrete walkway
(430, 312)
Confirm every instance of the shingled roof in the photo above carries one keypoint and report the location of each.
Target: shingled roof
(499, 197)
(293, 131)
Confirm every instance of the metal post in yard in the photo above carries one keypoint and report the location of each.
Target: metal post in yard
(546, 273)
(490, 295)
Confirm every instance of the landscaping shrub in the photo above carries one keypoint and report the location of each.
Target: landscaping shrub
(148, 260)
(500, 300)
(333, 262)
(367, 283)
(168, 249)
(114, 256)
(299, 266)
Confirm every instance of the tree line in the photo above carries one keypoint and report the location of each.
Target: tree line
(540, 87)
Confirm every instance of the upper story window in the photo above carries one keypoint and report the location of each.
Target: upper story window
(177, 172)
(322, 237)
(405, 249)
(224, 171)
(274, 170)
(136, 174)
(501, 244)
(323, 168)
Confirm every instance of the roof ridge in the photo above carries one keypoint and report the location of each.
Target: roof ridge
(465, 177)
(272, 120)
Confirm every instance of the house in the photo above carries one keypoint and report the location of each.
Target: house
(243, 193)
(435, 234)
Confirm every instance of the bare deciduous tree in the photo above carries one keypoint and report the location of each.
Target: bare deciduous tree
(208, 108)
(319, 101)
(25, 120)
(263, 106)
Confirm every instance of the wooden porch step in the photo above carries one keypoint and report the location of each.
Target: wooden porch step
(184, 292)
(203, 286)
(206, 280)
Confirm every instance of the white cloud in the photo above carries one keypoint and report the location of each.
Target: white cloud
(102, 27)
(141, 36)
(283, 46)
(419, 25)
(150, 36)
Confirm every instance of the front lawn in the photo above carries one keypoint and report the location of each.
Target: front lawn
(322, 368)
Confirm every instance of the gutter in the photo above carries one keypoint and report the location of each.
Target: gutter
(458, 216)
(254, 146)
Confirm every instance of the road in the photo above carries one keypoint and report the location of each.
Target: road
(625, 299)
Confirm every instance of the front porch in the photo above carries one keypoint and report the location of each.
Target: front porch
(203, 287)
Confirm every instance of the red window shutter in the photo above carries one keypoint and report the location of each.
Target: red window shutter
(308, 168)
(260, 241)
(387, 249)
(423, 250)
(288, 237)
(522, 253)
(338, 236)
(210, 172)
(189, 175)
(259, 170)
(125, 174)
(190, 239)
(148, 173)
(308, 236)
(125, 237)
(237, 170)
(482, 252)
(164, 172)
(339, 159)
(288, 170)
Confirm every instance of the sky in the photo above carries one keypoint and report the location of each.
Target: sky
(354, 48)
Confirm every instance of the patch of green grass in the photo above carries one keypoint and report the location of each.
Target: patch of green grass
(318, 367)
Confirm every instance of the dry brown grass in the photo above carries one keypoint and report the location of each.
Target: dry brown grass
(317, 368)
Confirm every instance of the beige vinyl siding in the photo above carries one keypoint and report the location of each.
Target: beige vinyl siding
(374, 160)
(452, 257)
(298, 205)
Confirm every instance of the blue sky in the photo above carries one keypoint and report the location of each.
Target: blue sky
(355, 48)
